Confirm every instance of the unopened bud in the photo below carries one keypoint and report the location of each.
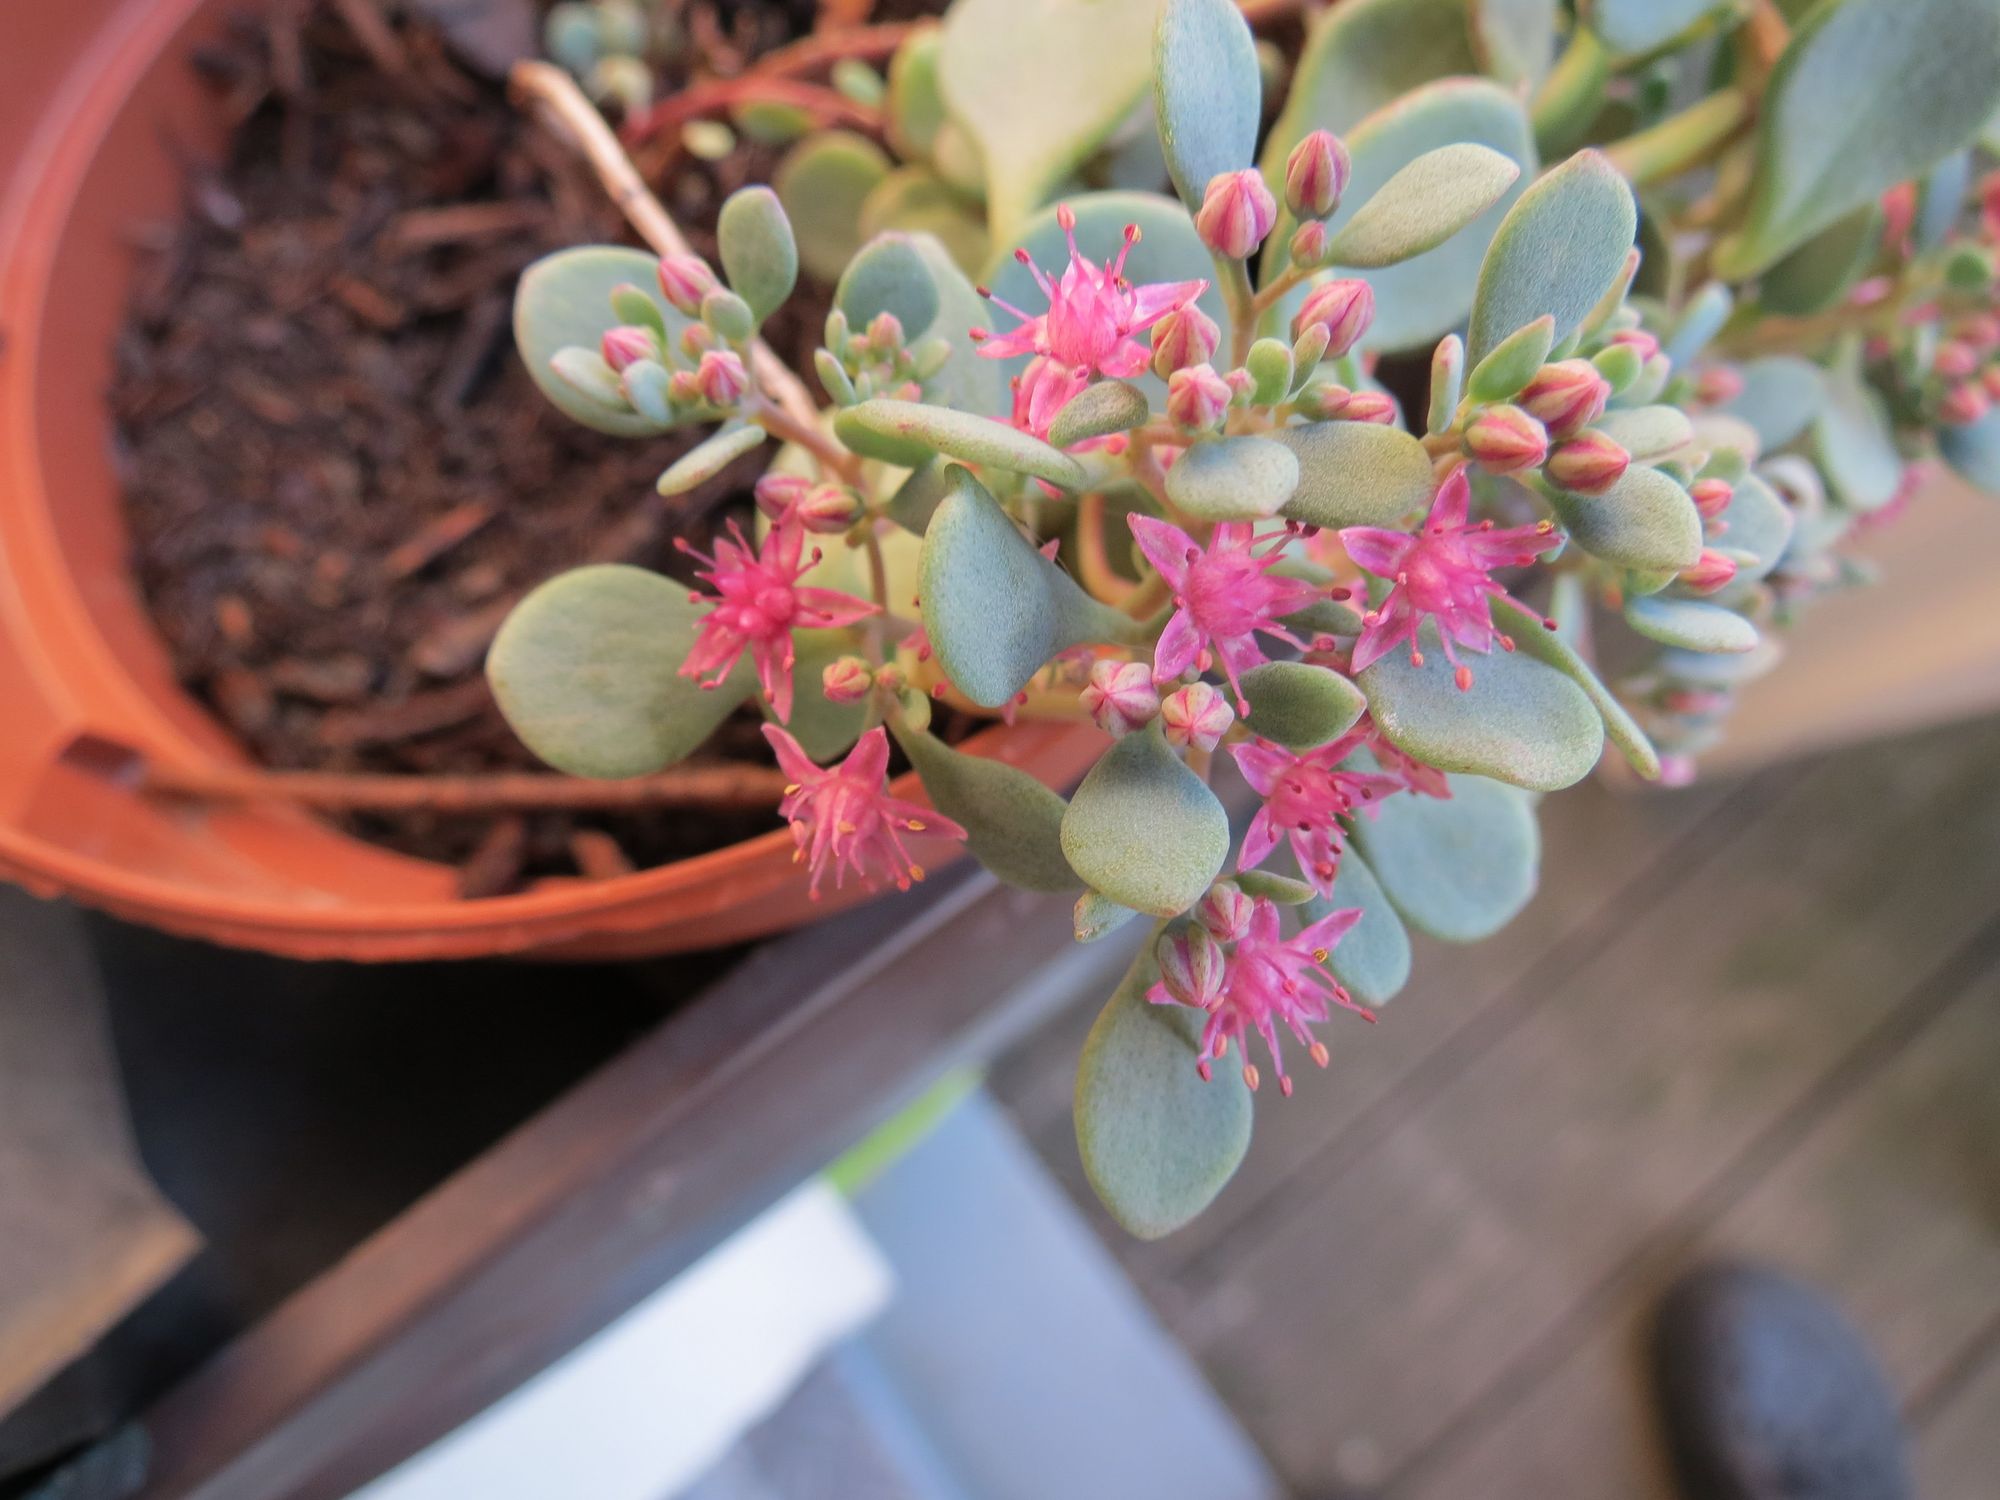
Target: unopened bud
(1565, 397)
(1237, 211)
(1187, 336)
(847, 680)
(1711, 496)
(697, 339)
(1982, 331)
(1587, 464)
(1954, 361)
(1990, 378)
(1710, 572)
(885, 334)
(721, 378)
(1365, 406)
(1344, 308)
(1316, 175)
(1242, 385)
(1718, 385)
(1120, 696)
(1225, 911)
(779, 495)
(1309, 245)
(1196, 716)
(829, 509)
(1197, 398)
(627, 345)
(1503, 439)
(1192, 966)
(729, 315)
(684, 281)
(1965, 404)
(1640, 342)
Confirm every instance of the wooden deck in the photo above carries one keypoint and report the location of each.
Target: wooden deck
(1759, 1016)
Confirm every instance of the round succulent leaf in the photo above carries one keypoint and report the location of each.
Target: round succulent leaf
(1720, 669)
(1520, 721)
(1268, 885)
(994, 608)
(1692, 624)
(1760, 527)
(1208, 92)
(1513, 362)
(1731, 443)
(1552, 648)
(1012, 823)
(710, 457)
(1096, 915)
(888, 275)
(1868, 93)
(1457, 869)
(1039, 85)
(906, 432)
(1515, 39)
(760, 255)
(1098, 411)
(1854, 445)
(1973, 451)
(586, 670)
(917, 498)
(1355, 474)
(823, 182)
(1157, 1142)
(917, 200)
(1425, 297)
(1647, 432)
(1700, 321)
(1244, 478)
(1941, 200)
(1636, 28)
(1781, 395)
(1423, 205)
(1373, 960)
(1300, 705)
(1645, 522)
(1362, 55)
(563, 301)
(915, 110)
(1562, 246)
(824, 729)
(880, 280)
(1144, 829)
(1821, 272)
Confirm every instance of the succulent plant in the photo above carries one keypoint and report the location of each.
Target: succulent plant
(1697, 295)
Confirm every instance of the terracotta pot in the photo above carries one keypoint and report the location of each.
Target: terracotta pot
(96, 106)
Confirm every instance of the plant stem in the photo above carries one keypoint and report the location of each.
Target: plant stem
(690, 786)
(1234, 277)
(1093, 558)
(809, 436)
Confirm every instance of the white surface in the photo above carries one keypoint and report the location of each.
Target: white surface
(647, 1406)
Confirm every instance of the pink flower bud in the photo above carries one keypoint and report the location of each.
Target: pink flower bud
(1990, 378)
(1587, 464)
(1197, 398)
(828, 509)
(1565, 397)
(697, 339)
(885, 333)
(1182, 338)
(684, 389)
(1503, 439)
(1637, 338)
(1242, 384)
(721, 378)
(1316, 175)
(1237, 211)
(1192, 966)
(1954, 360)
(1120, 696)
(1309, 242)
(1712, 496)
(1366, 406)
(684, 281)
(628, 345)
(847, 679)
(1965, 404)
(1197, 715)
(1225, 911)
(778, 495)
(1345, 308)
(1718, 385)
(1710, 572)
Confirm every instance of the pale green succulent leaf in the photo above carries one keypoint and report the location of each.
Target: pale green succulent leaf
(1781, 395)
(907, 432)
(1760, 527)
(710, 457)
(1645, 522)
(1457, 869)
(1637, 28)
(1973, 451)
(1692, 624)
(1243, 478)
(1012, 823)
(1373, 960)
(1144, 829)
(1423, 205)
(1300, 705)
(823, 182)
(1096, 915)
(1854, 444)
(1355, 474)
(1647, 432)
(1207, 92)
(760, 255)
(1512, 362)
(880, 279)
(1562, 246)
(1822, 271)
(563, 301)
(1098, 411)
(1532, 637)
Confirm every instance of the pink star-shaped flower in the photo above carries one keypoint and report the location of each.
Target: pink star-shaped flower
(843, 818)
(1224, 596)
(1272, 981)
(757, 604)
(1441, 571)
(1305, 797)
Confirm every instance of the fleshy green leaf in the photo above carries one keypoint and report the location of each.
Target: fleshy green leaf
(1513, 362)
(1012, 823)
(1781, 394)
(1363, 54)
(1355, 474)
(1096, 915)
(994, 608)
(1461, 869)
(710, 457)
(564, 301)
(1973, 451)
(1234, 478)
(918, 201)
(908, 432)
(1519, 721)
(1207, 92)
(759, 254)
(1822, 271)
(1700, 321)
(1533, 638)
(1423, 205)
(1157, 1142)
(823, 183)
(587, 671)
(1373, 960)
(1561, 247)
(878, 281)
(1645, 522)
(1867, 94)
(1647, 432)
(1144, 829)
(1515, 39)
(915, 106)
(1300, 705)
(1720, 669)
(1854, 446)
(1692, 624)
(1040, 84)
(1635, 28)
(888, 275)
(917, 498)
(1268, 885)
(1099, 410)
(1760, 527)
